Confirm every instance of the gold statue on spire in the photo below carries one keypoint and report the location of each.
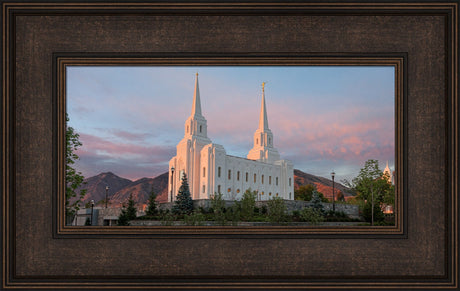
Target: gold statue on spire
(263, 87)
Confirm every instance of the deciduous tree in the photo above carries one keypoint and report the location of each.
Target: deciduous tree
(73, 178)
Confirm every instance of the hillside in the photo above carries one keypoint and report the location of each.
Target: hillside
(121, 188)
(322, 184)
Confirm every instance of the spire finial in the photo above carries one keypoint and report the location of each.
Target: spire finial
(263, 87)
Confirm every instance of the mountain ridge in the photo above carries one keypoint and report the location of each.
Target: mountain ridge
(121, 188)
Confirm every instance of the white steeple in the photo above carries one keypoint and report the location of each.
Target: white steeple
(263, 149)
(196, 107)
(196, 124)
(387, 172)
(263, 119)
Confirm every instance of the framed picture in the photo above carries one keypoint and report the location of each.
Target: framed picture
(42, 41)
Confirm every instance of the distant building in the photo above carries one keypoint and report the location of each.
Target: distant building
(390, 175)
(210, 170)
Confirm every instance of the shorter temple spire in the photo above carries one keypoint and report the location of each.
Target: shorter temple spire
(263, 119)
(196, 107)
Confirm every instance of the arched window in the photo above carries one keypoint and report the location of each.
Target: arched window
(269, 141)
(204, 188)
(289, 195)
(238, 175)
(276, 181)
(270, 180)
(200, 128)
(187, 128)
(229, 189)
(255, 179)
(218, 189)
(238, 191)
(218, 172)
(257, 141)
(229, 174)
(204, 172)
(262, 179)
(270, 194)
(247, 176)
(289, 182)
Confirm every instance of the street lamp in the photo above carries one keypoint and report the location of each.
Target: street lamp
(333, 191)
(172, 182)
(92, 210)
(106, 196)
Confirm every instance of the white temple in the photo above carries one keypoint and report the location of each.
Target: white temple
(387, 173)
(210, 170)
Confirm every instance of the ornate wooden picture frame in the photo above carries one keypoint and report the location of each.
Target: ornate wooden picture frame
(41, 38)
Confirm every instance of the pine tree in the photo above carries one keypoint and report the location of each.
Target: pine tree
(123, 218)
(152, 207)
(316, 201)
(131, 210)
(184, 202)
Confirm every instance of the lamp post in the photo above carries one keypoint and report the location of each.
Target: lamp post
(172, 183)
(333, 191)
(106, 195)
(92, 210)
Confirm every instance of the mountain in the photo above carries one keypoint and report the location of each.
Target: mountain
(95, 186)
(121, 188)
(322, 184)
(140, 189)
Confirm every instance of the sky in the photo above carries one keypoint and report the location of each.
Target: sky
(323, 118)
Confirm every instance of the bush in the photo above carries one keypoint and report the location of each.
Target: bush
(276, 210)
(218, 208)
(166, 218)
(248, 202)
(312, 215)
(195, 218)
(233, 213)
(378, 214)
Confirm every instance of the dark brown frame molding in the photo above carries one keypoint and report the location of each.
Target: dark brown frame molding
(420, 39)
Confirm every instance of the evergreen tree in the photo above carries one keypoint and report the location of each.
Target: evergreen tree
(316, 201)
(131, 210)
(123, 218)
(184, 202)
(152, 206)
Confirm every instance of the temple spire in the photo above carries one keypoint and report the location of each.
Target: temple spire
(263, 119)
(196, 107)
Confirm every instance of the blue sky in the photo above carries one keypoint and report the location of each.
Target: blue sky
(326, 118)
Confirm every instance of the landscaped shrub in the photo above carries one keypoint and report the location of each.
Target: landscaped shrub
(276, 210)
(312, 215)
(194, 218)
(248, 202)
(378, 214)
(218, 208)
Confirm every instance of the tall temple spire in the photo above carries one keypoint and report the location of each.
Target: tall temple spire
(196, 107)
(263, 149)
(263, 119)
